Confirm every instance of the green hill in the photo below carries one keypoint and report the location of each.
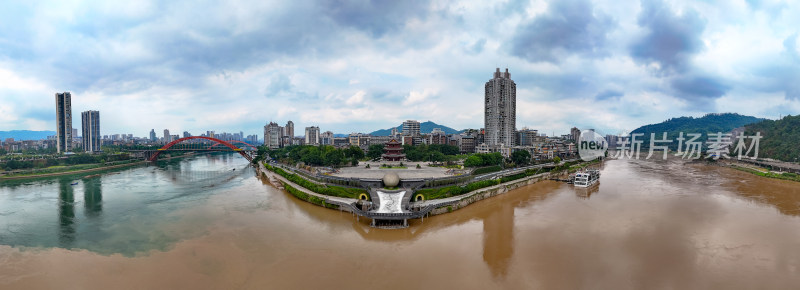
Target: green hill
(424, 128)
(710, 123)
(780, 138)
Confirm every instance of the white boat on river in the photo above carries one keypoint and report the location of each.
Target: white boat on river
(587, 178)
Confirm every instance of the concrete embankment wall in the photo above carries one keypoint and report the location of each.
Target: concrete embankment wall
(464, 201)
(492, 191)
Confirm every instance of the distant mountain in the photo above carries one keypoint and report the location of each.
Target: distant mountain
(424, 128)
(780, 138)
(25, 135)
(710, 123)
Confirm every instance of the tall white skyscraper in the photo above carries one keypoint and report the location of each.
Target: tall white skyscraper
(63, 122)
(312, 135)
(90, 121)
(411, 128)
(500, 116)
(273, 133)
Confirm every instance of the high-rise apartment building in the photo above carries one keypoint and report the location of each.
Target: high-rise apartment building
(527, 137)
(290, 129)
(575, 134)
(411, 128)
(326, 138)
(90, 123)
(273, 134)
(153, 135)
(500, 116)
(63, 122)
(312, 135)
(167, 136)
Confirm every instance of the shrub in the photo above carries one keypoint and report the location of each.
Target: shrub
(435, 193)
(321, 189)
(484, 170)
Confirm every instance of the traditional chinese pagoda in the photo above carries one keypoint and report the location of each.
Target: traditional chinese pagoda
(393, 151)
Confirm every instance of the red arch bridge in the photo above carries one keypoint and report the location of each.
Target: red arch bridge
(200, 144)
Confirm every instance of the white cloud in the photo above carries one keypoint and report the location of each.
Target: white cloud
(151, 64)
(415, 97)
(356, 99)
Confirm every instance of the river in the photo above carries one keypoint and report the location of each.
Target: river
(195, 223)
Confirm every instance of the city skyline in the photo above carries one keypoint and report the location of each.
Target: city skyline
(626, 64)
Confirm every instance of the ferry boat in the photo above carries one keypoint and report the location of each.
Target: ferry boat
(587, 178)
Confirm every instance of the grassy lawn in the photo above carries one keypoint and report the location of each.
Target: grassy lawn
(784, 176)
(62, 169)
(321, 189)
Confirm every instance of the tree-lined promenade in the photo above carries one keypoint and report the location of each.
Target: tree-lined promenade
(34, 164)
(327, 155)
(480, 169)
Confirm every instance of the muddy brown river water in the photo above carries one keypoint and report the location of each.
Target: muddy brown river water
(648, 225)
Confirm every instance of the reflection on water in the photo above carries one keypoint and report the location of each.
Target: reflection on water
(498, 239)
(146, 204)
(66, 213)
(586, 192)
(647, 225)
(93, 196)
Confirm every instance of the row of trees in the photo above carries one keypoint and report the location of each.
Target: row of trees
(424, 152)
(780, 138)
(330, 156)
(433, 152)
(518, 158)
(323, 155)
(484, 159)
(70, 160)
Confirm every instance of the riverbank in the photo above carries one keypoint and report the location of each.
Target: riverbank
(70, 172)
(441, 205)
(757, 171)
(81, 171)
(458, 202)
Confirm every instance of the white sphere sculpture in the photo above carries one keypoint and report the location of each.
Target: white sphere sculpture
(391, 179)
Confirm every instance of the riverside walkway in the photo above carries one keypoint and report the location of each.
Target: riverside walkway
(326, 198)
(420, 209)
(350, 204)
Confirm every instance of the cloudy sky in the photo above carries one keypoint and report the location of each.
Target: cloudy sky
(357, 66)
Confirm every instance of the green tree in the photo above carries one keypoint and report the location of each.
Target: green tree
(375, 151)
(311, 155)
(437, 156)
(354, 152)
(521, 157)
(556, 160)
(491, 158)
(51, 162)
(333, 158)
(444, 149)
(473, 161)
